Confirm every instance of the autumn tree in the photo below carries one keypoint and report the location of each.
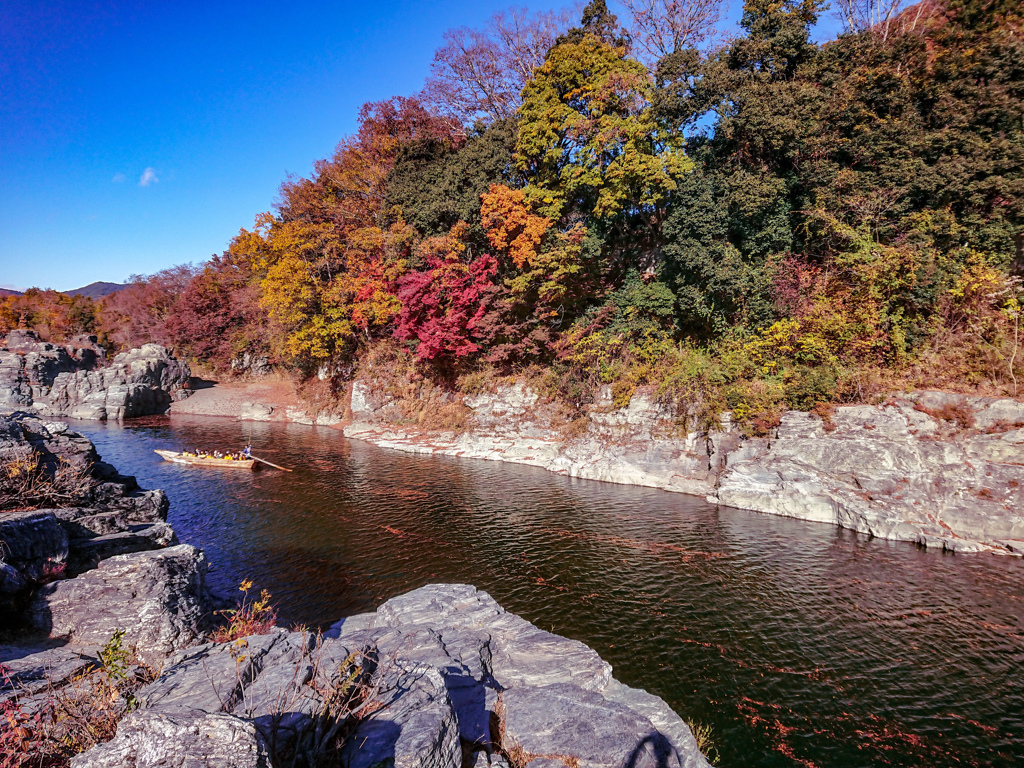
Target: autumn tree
(590, 145)
(548, 274)
(138, 314)
(218, 315)
(434, 185)
(598, 22)
(330, 260)
(443, 303)
(53, 315)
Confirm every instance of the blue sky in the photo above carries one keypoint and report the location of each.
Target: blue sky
(139, 135)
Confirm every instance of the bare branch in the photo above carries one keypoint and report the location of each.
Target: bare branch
(864, 15)
(661, 27)
(479, 74)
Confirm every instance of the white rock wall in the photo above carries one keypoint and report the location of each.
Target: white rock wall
(896, 471)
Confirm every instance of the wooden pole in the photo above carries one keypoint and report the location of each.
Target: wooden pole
(269, 463)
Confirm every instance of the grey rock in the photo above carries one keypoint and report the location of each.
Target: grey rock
(894, 471)
(211, 677)
(34, 543)
(662, 717)
(158, 598)
(254, 365)
(415, 729)
(25, 435)
(483, 759)
(52, 441)
(997, 413)
(568, 722)
(481, 636)
(86, 553)
(140, 509)
(442, 656)
(197, 740)
(35, 669)
(274, 680)
(46, 378)
(641, 444)
(322, 419)
(12, 583)
(481, 651)
(256, 412)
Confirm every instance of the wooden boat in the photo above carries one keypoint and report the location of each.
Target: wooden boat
(206, 461)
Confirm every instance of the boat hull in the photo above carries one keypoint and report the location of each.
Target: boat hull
(196, 461)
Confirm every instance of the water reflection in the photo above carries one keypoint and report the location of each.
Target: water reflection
(799, 643)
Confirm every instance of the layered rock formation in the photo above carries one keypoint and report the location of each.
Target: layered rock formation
(73, 380)
(945, 471)
(111, 516)
(455, 678)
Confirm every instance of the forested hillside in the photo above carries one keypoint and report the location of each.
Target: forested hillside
(754, 225)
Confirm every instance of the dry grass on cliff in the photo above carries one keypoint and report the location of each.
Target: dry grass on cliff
(26, 483)
(417, 400)
(47, 729)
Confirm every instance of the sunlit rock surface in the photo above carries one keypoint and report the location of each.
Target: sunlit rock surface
(72, 380)
(456, 675)
(907, 470)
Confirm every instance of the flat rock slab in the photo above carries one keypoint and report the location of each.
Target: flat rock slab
(158, 598)
(86, 554)
(35, 669)
(565, 722)
(416, 727)
(234, 677)
(558, 695)
(155, 740)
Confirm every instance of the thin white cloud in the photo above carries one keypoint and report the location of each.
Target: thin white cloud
(119, 178)
(148, 177)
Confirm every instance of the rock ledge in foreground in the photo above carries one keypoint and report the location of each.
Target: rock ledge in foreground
(462, 676)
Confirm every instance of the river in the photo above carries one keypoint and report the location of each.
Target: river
(798, 643)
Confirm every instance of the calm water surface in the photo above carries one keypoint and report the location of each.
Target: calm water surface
(800, 644)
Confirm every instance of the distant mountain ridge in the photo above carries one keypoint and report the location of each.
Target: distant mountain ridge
(96, 290)
(93, 291)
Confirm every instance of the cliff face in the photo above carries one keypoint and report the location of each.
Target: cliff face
(74, 381)
(945, 471)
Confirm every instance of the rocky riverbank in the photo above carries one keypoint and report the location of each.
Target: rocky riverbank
(76, 380)
(944, 471)
(441, 677)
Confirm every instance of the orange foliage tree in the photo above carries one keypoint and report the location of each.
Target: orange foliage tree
(54, 316)
(331, 258)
